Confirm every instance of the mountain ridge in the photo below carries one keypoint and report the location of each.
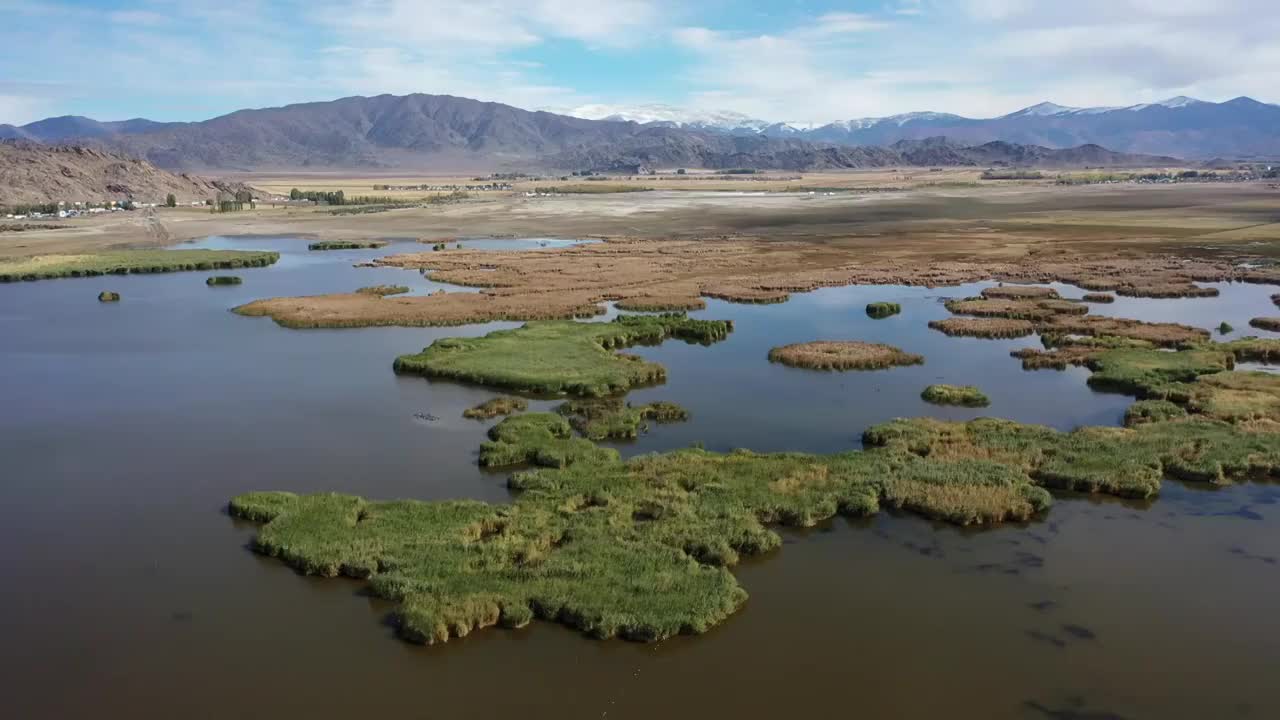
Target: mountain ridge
(443, 132)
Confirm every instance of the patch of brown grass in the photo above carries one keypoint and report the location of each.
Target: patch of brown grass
(984, 327)
(842, 355)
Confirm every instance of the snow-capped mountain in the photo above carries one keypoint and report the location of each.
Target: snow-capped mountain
(1181, 126)
(672, 116)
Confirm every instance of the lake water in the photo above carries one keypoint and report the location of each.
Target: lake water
(129, 592)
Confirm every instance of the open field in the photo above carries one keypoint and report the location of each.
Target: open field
(992, 221)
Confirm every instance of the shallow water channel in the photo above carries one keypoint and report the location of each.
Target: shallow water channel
(129, 592)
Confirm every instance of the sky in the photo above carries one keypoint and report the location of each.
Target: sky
(778, 60)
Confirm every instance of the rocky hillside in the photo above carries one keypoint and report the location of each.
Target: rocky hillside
(34, 173)
(442, 133)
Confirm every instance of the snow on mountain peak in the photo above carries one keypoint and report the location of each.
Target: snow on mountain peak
(670, 114)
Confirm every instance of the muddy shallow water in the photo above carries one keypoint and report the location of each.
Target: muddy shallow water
(130, 593)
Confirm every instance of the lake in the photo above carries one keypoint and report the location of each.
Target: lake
(129, 591)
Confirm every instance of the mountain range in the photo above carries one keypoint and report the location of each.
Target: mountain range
(441, 132)
(1180, 126)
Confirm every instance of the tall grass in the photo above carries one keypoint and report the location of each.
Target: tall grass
(124, 262)
(561, 356)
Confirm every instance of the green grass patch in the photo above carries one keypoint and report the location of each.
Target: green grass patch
(962, 395)
(346, 245)
(880, 310)
(616, 419)
(223, 280)
(494, 407)
(561, 356)
(124, 262)
(641, 549)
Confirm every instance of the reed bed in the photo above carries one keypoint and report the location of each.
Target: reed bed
(223, 280)
(1271, 324)
(492, 408)
(323, 245)
(961, 395)
(843, 355)
(125, 262)
(1095, 297)
(649, 303)
(616, 419)
(108, 296)
(1020, 292)
(991, 328)
(384, 290)
(642, 549)
(561, 356)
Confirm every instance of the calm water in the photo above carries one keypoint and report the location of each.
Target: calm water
(129, 592)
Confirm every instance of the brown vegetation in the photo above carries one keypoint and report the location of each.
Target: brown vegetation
(842, 355)
(664, 274)
(984, 327)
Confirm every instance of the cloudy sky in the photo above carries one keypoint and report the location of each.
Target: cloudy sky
(781, 60)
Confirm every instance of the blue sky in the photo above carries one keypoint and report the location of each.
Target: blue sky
(781, 60)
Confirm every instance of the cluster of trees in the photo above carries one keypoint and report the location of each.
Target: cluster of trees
(336, 197)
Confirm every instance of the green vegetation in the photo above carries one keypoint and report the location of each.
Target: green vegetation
(561, 356)
(384, 290)
(614, 418)
(223, 280)
(641, 549)
(1253, 349)
(1224, 328)
(1154, 373)
(123, 262)
(492, 408)
(108, 296)
(346, 244)
(541, 439)
(1271, 324)
(963, 395)
(1104, 298)
(1145, 411)
(880, 310)
(842, 355)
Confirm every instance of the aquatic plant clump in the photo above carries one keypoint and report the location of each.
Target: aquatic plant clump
(124, 262)
(1271, 324)
(880, 310)
(995, 328)
(1015, 309)
(223, 280)
(108, 296)
(384, 290)
(560, 356)
(648, 303)
(641, 549)
(962, 395)
(346, 245)
(1104, 298)
(494, 407)
(614, 418)
(1020, 292)
(843, 355)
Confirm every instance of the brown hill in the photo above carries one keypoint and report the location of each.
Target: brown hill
(34, 173)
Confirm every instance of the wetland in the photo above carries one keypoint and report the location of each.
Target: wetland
(185, 483)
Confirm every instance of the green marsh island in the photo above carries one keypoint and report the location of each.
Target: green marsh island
(125, 262)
